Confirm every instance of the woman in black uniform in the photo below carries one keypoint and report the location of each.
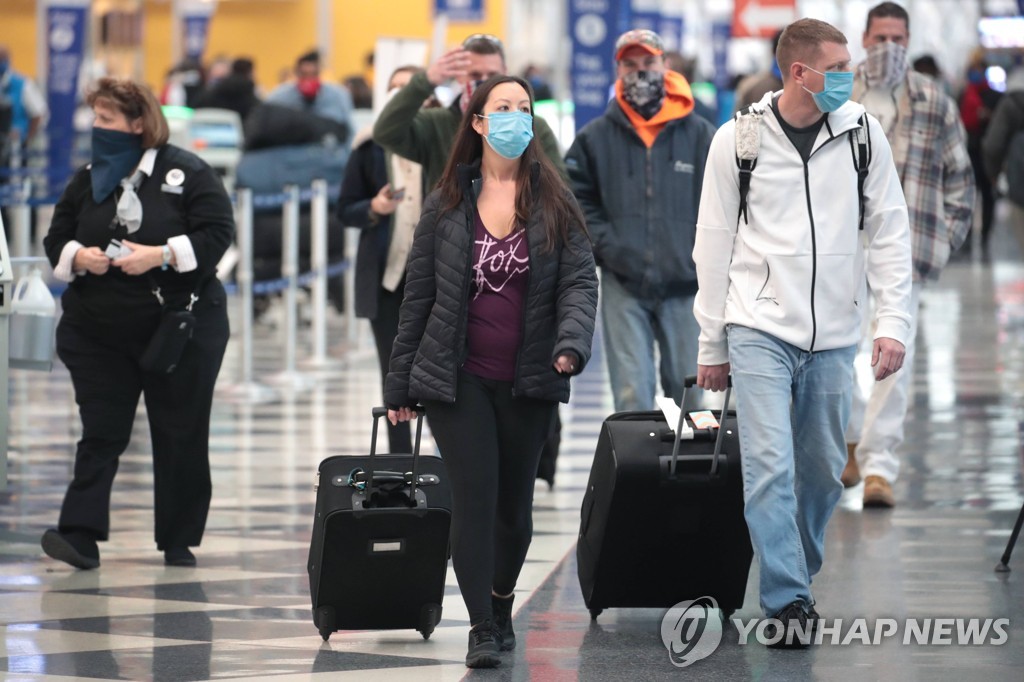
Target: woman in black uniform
(145, 218)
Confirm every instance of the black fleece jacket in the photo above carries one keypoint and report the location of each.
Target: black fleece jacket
(558, 312)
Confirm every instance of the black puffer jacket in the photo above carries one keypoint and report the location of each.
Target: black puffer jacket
(558, 315)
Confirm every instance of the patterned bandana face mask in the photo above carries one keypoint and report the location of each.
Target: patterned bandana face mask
(645, 91)
(886, 64)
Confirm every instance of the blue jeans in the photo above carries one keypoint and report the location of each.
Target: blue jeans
(630, 326)
(793, 407)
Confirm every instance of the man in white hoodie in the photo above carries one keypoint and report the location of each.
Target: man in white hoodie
(780, 282)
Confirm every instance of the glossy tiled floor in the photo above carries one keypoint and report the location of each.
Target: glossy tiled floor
(244, 612)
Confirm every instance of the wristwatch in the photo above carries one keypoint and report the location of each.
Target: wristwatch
(166, 252)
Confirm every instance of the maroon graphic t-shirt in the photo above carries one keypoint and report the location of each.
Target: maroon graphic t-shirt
(496, 295)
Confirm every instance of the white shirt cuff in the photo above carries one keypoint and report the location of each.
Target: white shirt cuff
(64, 271)
(184, 254)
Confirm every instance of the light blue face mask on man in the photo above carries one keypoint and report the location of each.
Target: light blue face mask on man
(509, 132)
(837, 90)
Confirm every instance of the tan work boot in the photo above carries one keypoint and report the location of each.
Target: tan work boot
(851, 474)
(878, 493)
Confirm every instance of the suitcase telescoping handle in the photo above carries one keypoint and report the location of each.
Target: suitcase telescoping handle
(689, 383)
(379, 412)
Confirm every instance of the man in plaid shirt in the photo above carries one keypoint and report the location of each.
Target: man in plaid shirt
(929, 147)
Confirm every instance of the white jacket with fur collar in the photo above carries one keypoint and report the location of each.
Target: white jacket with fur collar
(796, 270)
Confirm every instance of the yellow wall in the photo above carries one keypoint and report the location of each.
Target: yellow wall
(272, 32)
(156, 39)
(358, 23)
(18, 32)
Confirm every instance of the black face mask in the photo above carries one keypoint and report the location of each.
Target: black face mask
(114, 155)
(644, 91)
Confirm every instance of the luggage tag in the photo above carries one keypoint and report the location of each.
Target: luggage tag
(672, 413)
(704, 419)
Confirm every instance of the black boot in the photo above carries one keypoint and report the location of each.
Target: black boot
(502, 608)
(484, 643)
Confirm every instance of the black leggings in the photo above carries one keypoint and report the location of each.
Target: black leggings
(490, 442)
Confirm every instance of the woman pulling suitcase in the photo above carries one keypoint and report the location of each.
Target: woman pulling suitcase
(499, 308)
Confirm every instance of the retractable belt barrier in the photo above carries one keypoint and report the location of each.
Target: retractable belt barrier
(17, 195)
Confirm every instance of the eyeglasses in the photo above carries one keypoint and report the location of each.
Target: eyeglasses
(483, 38)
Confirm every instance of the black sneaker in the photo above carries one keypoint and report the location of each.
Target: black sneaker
(179, 556)
(502, 608)
(484, 643)
(78, 549)
(796, 629)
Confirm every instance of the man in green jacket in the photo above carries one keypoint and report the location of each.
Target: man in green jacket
(425, 135)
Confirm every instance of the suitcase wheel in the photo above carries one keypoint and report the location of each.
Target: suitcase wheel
(430, 616)
(594, 613)
(323, 619)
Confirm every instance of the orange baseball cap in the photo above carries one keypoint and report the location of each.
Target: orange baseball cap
(639, 37)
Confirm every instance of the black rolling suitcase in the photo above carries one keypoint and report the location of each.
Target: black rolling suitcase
(662, 519)
(379, 552)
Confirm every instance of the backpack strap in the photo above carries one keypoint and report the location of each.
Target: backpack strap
(860, 148)
(748, 145)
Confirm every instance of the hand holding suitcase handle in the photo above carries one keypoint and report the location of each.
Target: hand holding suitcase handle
(401, 414)
(377, 413)
(689, 383)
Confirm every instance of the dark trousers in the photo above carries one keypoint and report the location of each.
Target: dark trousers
(986, 192)
(385, 328)
(105, 372)
(490, 442)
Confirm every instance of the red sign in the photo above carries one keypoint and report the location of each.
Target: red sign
(761, 18)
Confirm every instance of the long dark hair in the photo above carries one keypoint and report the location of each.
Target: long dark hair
(553, 199)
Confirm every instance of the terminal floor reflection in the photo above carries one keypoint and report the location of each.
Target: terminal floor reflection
(244, 612)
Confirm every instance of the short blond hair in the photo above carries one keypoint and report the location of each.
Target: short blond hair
(801, 42)
(135, 102)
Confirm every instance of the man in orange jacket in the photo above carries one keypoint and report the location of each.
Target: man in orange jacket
(637, 172)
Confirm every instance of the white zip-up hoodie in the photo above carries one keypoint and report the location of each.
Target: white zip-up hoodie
(796, 270)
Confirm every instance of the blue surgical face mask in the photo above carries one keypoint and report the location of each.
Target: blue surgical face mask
(509, 132)
(115, 155)
(837, 90)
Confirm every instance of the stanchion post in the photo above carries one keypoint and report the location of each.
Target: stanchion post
(290, 272)
(21, 217)
(318, 262)
(351, 323)
(247, 389)
(245, 278)
(290, 377)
